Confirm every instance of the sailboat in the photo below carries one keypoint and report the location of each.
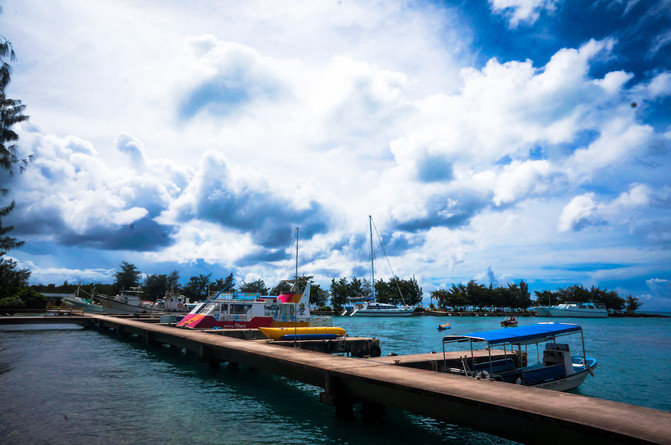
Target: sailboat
(370, 307)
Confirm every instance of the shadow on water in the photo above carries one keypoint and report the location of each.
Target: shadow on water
(295, 407)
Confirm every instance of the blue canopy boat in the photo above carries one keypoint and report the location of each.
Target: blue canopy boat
(557, 370)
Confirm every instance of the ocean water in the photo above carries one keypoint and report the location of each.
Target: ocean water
(67, 384)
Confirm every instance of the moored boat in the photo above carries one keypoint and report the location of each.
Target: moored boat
(557, 370)
(382, 310)
(127, 302)
(86, 304)
(509, 322)
(250, 311)
(581, 310)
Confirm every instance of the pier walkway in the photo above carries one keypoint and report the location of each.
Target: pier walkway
(516, 412)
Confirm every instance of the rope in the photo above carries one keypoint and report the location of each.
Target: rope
(387, 258)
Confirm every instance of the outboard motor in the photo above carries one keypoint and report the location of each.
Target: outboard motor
(558, 354)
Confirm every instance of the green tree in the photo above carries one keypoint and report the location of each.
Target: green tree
(12, 279)
(197, 286)
(32, 299)
(255, 287)
(127, 277)
(224, 284)
(632, 304)
(155, 286)
(339, 291)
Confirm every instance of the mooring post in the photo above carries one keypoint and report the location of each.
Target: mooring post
(334, 395)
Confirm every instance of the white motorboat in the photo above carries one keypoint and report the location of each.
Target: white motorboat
(83, 303)
(556, 370)
(381, 310)
(582, 310)
(542, 311)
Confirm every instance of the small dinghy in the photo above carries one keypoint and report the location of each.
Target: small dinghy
(509, 322)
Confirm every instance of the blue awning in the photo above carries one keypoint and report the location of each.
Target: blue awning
(521, 334)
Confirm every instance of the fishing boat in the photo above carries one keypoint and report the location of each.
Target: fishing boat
(303, 333)
(581, 310)
(127, 302)
(509, 322)
(554, 369)
(87, 304)
(443, 327)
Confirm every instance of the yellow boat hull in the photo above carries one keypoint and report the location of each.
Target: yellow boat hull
(277, 333)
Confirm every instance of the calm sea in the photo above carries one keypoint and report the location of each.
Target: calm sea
(66, 384)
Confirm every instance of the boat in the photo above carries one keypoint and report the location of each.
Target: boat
(542, 311)
(443, 327)
(86, 304)
(368, 306)
(303, 333)
(252, 311)
(582, 310)
(127, 302)
(509, 322)
(554, 369)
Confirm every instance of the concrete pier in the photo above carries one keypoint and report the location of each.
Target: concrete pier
(520, 413)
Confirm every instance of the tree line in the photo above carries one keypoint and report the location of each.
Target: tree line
(394, 291)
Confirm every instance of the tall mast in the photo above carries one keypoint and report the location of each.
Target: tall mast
(296, 255)
(372, 265)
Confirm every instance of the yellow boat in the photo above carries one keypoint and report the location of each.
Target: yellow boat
(303, 333)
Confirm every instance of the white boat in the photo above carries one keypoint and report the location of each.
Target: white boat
(542, 311)
(582, 310)
(127, 302)
(557, 370)
(382, 310)
(251, 311)
(82, 303)
(368, 307)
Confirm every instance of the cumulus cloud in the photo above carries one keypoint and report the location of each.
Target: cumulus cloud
(581, 212)
(522, 11)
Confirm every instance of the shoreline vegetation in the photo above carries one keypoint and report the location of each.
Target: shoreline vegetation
(470, 299)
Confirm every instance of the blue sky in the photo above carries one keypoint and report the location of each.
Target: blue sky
(490, 140)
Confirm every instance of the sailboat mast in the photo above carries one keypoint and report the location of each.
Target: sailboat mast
(372, 264)
(296, 254)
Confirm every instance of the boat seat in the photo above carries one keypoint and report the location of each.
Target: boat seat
(498, 366)
(535, 376)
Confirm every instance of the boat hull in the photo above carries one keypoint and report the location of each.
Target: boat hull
(578, 313)
(542, 311)
(88, 307)
(117, 307)
(383, 313)
(570, 382)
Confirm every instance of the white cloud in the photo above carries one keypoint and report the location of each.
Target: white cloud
(522, 11)
(580, 213)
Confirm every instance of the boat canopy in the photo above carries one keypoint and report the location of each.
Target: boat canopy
(236, 296)
(523, 334)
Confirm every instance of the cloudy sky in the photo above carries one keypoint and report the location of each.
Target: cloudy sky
(494, 140)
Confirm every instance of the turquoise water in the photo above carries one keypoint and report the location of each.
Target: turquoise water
(82, 386)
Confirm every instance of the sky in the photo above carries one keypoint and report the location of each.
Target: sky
(494, 140)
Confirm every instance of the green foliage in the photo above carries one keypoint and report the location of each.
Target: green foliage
(339, 292)
(155, 287)
(197, 286)
(32, 299)
(12, 279)
(578, 294)
(633, 304)
(460, 296)
(12, 303)
(11, 113)
(255, 287)
(127, 277)
(223, 284)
